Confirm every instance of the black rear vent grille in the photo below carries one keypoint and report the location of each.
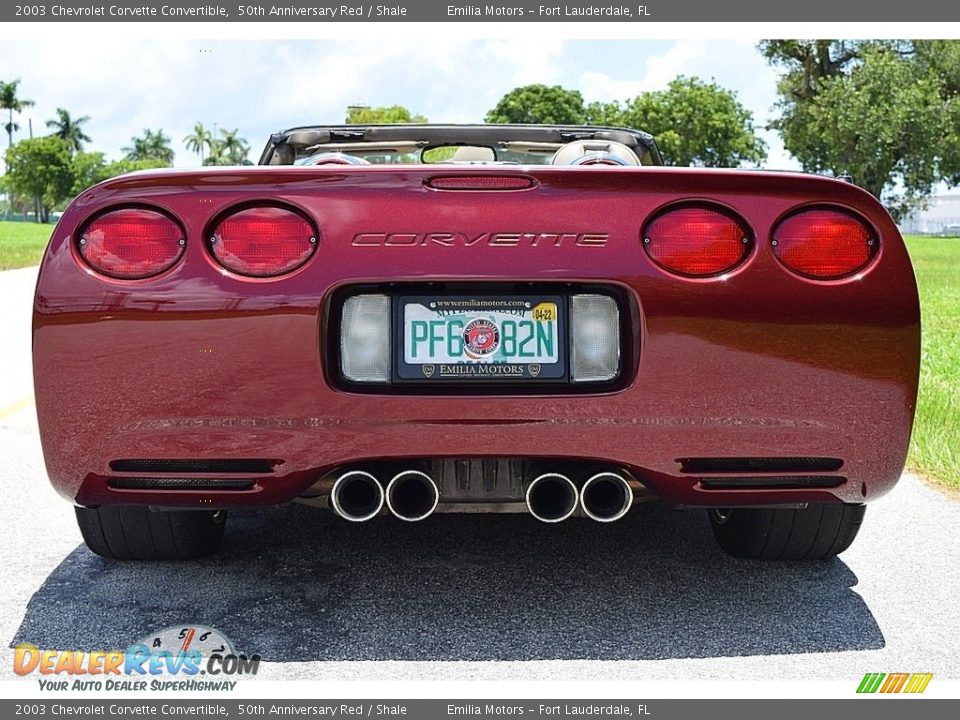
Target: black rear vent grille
(241, 466)
(759, 464)
(129, 483)
(779, 482)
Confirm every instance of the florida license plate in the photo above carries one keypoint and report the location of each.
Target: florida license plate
(498, 338)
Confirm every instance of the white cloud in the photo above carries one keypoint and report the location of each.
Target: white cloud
(678, 60)
(524, 62)
(658, 71)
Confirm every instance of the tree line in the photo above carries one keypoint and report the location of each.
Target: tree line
(43, 173)
(884, 112)
(695, 123)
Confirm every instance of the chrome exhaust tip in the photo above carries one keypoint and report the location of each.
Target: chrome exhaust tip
(606, 497)
(412, 495)
(551, 497)
(356, 496)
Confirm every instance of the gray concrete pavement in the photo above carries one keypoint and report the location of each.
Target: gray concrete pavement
(482, 596)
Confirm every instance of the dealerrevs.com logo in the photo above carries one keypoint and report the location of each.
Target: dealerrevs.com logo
(176, 658)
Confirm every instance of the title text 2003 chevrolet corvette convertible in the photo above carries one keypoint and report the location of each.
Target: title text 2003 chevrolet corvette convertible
(404, 320)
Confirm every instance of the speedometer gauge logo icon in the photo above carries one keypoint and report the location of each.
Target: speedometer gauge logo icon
(180, 639)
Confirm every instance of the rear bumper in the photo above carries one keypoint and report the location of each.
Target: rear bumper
(252, 385)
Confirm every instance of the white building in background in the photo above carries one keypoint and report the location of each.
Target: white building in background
(942, 217)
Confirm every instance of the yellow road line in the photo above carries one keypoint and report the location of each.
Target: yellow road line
(16, 407)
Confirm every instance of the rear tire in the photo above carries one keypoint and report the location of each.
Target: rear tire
(130, 532)
(816, 532)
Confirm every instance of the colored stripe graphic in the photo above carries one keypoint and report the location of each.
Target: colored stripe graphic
(870, 682)
(893, 683)
(918, 682)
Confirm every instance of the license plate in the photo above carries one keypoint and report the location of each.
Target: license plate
(495, 338)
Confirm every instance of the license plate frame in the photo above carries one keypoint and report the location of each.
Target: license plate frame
(493, 306)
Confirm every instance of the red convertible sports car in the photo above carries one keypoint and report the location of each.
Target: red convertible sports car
(402, 320)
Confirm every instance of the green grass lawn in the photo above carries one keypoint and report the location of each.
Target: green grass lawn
(935, 449)
(22, 243)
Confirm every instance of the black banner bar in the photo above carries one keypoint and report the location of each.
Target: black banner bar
(254, 709)
(644, 11)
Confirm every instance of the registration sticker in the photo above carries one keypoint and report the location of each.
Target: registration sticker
(545, 312)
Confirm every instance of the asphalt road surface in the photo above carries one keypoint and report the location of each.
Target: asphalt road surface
(481, 597)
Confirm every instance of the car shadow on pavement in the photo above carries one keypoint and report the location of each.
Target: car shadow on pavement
(295, 583)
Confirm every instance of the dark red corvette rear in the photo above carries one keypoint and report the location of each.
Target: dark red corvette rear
(559, 339)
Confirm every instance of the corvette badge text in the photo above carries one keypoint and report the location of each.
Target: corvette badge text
(190, 658)
(492, 239)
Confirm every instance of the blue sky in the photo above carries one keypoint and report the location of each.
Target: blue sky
(262, 86)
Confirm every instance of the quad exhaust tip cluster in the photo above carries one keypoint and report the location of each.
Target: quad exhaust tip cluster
(412, 495)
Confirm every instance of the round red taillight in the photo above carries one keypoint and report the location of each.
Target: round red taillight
(131, 243)
(696, 241)
(263, 241)
(824, 243)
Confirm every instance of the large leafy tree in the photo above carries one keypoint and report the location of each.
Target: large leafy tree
(90, 168)
(549, 105)
(70, 129)
(885, 112)
(151, 145)
(12, 103)
(604, 113)
(697, 123)
(199, 141)
(87, 168)
(40, 168)
(392, 115)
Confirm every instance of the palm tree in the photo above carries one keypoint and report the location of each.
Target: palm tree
(152, 145)
(70, 129)
(12, 104)
(228, 149)
(216, 156)
(199, 140)
(234, 147)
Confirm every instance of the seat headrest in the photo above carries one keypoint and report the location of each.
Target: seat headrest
(595, 152)
(334, 158)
